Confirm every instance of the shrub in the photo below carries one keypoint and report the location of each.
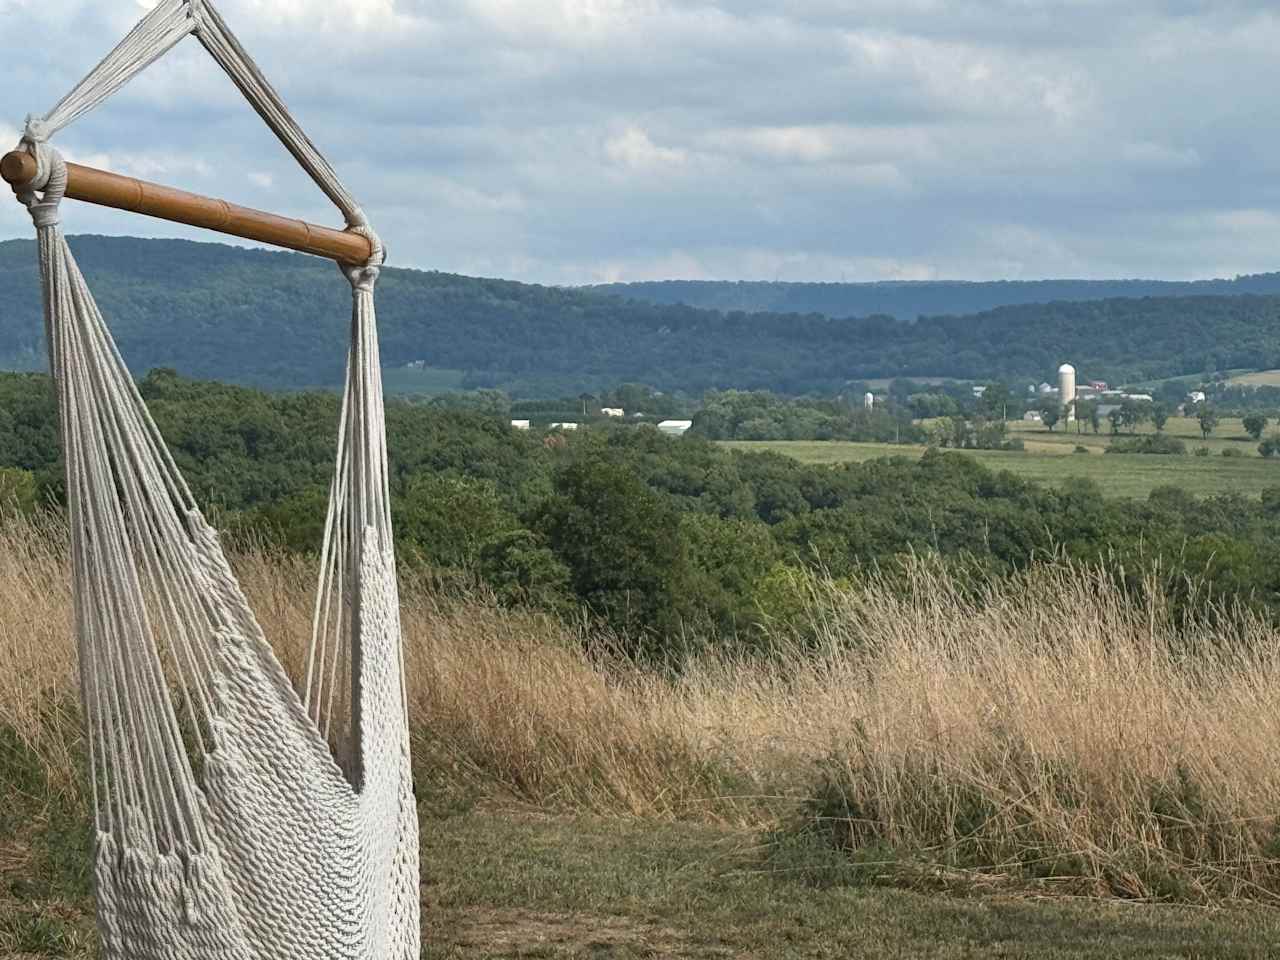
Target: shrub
(1080, 448)
(1157, 443)
(1233, 452)
(1202, 451)
(18, 489)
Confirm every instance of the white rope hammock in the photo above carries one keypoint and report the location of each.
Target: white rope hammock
(235, 819)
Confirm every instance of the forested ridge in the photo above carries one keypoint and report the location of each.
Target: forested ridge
(278, 320)
(910, 299)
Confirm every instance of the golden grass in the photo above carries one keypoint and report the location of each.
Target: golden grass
(1047, 726)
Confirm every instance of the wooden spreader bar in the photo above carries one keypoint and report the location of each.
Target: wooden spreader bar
(138, 196)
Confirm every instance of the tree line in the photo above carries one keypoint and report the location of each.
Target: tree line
(662, 537)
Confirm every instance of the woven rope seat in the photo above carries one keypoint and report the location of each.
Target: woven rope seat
(236, 816)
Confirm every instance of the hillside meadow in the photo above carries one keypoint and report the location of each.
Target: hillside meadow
(1050, 457)
(1049, 766)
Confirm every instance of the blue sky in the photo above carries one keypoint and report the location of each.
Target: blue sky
(579, 141)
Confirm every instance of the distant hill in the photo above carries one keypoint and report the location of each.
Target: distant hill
(907, 300)
(279, 320)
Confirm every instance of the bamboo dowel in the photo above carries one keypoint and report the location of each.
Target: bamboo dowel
(166, 203)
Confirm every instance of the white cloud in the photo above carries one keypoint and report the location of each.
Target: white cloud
(634, 149)
(576, 140)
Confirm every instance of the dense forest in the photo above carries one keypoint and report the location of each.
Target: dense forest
(908, 300)
(278, 321)
(660, 536)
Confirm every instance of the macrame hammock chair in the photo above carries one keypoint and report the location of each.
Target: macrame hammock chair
(236, 817)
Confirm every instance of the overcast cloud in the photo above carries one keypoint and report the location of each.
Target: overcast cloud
(577, 141)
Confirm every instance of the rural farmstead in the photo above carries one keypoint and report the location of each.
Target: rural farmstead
(776, 509)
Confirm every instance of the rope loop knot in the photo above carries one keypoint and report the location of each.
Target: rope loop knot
(363, 276)
(44, 192)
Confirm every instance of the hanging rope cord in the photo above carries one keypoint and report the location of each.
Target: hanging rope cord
(175, 675)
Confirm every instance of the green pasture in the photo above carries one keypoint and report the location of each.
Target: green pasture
(406, 381)
(1049, 457)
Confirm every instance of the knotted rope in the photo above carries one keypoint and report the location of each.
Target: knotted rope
(235, 819)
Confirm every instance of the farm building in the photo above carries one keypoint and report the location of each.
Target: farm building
(675, 427)
(520, 424)
(611, 411)
(563, 426)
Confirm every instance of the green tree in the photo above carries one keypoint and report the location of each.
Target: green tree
(1139, 413)
(1254, 424)
(1050, 413)
(451, 518)
(1159, 415)
(523, 571)
(728, 560)
(1208, 419)
(994, 402)
(621, 544)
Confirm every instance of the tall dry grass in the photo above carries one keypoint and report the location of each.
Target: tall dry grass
(1049, 725)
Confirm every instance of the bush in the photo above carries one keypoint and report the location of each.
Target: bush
(1202, 451)
(1270, 446)
(18, 489)
(1156, 443)
(1233, 452)
(1080, 449)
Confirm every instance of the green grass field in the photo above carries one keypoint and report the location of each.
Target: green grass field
(1049, 458)
(405, 381)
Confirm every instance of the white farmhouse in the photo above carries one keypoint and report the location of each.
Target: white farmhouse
(563, 426)
(520, 424)
(675, 427)
(612, 411)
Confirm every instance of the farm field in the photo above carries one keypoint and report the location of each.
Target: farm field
(1049, 458)
(1262, 378)
(425, 381)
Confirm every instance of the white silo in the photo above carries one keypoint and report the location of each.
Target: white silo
(1067, 390)
(868, 401)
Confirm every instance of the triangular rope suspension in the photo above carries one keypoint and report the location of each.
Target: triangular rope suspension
(226, 827)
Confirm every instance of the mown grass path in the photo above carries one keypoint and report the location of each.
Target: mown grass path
(503, 885)
(507, 884)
